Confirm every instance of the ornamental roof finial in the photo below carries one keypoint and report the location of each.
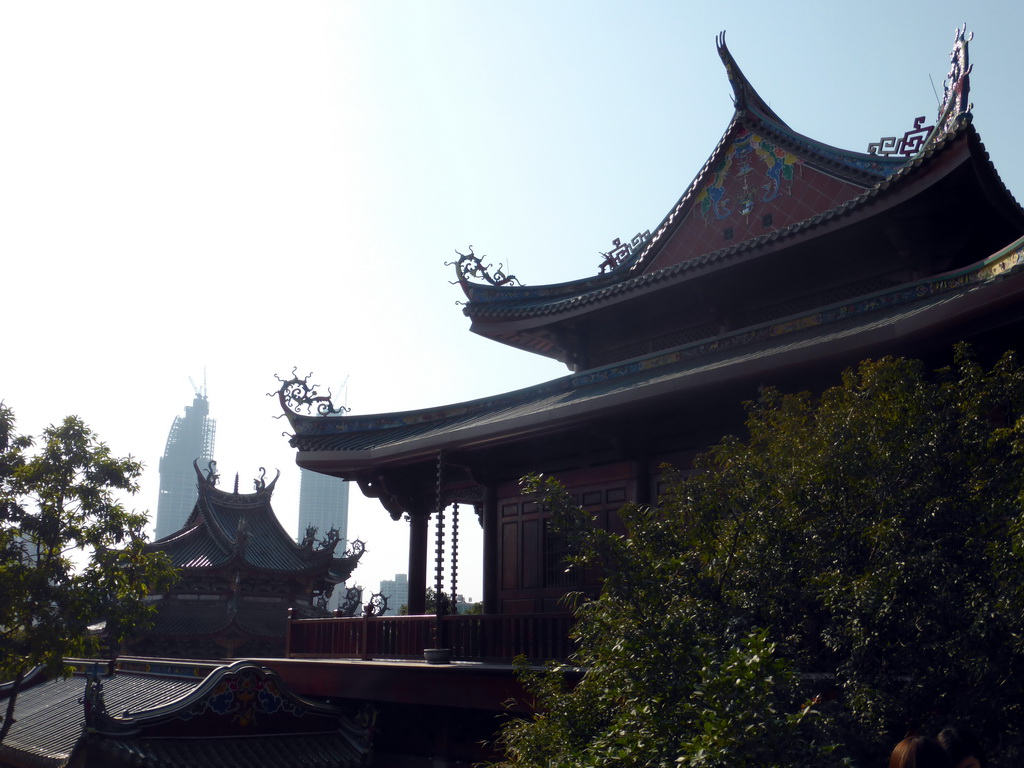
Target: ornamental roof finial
(470, 265)
(209, 475)
(298, 396)
(744, 95)
(957, 87)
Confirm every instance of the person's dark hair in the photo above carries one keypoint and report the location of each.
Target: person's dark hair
(960, 744)
(919, 752)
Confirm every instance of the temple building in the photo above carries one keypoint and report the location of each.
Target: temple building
(240, 575)
(785, 261)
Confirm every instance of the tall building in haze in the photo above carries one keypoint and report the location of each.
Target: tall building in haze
(396, 590)
(323, 504)
(190, 439)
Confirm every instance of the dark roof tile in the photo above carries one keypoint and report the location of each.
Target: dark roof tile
(49, 717)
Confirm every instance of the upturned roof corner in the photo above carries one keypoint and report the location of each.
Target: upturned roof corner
(744, 95)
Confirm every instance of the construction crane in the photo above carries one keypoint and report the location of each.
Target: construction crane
(201, 392)
(344, 388)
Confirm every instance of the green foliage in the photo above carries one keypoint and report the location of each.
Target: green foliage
(864, 547)
(668, 678)
(430, 608)
(71, 556)
(446, 605)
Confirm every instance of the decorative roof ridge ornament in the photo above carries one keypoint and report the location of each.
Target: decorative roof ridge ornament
(912, 142)
(377, 605)
(354, 551)
(470, 265)
(955, 107)
(299, 397)
(957, 86)
(744, 95)
(240, 699)
(260, 484)
(211, 476)
(348, 605)
(92, 701)
(330, 540)
(621, 252)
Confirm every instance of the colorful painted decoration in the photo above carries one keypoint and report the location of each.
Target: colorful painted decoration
(738, 186)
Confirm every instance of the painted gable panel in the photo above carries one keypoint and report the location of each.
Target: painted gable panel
(755, 188)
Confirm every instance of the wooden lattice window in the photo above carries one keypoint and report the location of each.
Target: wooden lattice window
(556, 570)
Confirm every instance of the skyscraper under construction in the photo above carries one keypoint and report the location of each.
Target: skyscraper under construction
(191, 438)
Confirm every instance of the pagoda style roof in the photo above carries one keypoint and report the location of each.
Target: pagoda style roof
(767, 189)
(784, 261)
(176, 714)
(522, 426)
(242, 530)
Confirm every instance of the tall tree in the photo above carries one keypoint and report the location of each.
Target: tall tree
(866, 546)
(71, 556)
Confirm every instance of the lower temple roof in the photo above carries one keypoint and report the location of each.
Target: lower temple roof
(49, 717)
(176, 714)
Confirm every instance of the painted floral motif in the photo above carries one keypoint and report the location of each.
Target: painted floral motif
(244, 697)
(738, 186)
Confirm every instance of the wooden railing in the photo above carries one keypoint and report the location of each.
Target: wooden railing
(537, 636)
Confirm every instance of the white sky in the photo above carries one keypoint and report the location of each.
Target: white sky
(244, 187)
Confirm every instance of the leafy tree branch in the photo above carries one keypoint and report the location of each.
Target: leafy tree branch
(71, 556)
(850, 567)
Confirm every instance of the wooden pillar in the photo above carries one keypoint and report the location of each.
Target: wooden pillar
(490, 550)
(288, 633)
(418, 537)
